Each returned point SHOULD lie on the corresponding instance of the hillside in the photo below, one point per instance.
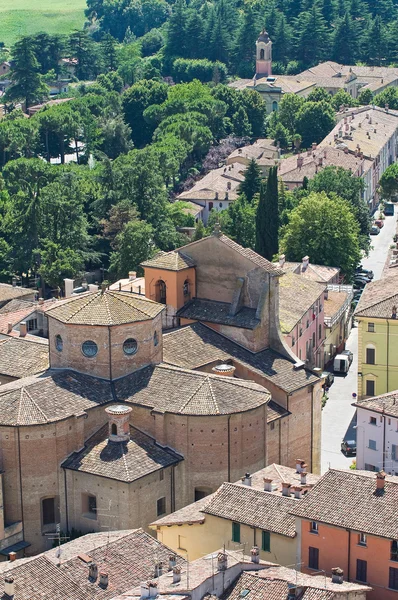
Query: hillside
(24, 17)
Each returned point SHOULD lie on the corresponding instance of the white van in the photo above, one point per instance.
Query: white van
(341, 363)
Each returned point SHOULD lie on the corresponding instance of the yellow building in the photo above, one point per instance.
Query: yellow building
(376, 314)
(252, 512)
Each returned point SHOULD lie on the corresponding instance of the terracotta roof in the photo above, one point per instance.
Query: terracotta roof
(189, 514)
(311, 582)
(17, 304)
(320, 273)
(384, 404)
(170, 389)
(378, 298)
(51, 397)
(204, 195)
(255, 258)
(171, 261)
(296, 296)
(9, 292)
(15, 317)
(253, 507)
(290, 172)
(105, 308)
(280, 474)
(123, 461)
(212, 311)
(334, 302)
(196, 345)
(20, 357)
(224, 179)
(260, 589)
(332, 500)
(275, 412)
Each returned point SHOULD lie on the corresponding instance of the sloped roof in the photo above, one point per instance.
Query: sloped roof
(248, 253)
(213, 311)
(123, 461)
(253, 507)
(169, 389)
(105, 308)
(196, 345)
(296, 296)
(51, 397)
(20, 357)
(385, 404)
(378, 298)
(9, 292)
(332, 500)
(320, 273)
(170, 261)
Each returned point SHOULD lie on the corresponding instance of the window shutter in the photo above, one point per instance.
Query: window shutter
(236, 532)
(266, 541)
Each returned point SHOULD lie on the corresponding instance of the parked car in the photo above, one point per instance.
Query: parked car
(349, 447)
(357, 294)
(341, 363)
(359, 283)
(360, 271)
(379, 223)
(374, 230)
(349, 354)
(329, 379)
(388, 209)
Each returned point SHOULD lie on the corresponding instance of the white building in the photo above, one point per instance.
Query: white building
(377, 433)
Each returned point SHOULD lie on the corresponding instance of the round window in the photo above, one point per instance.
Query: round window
(130, 346)
(155, 338)
(59, 344)
(89, 348)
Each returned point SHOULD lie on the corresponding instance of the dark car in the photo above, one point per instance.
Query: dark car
(360, 272)
(357, 294)
(374, 230)
(360, 283)
(349, 447)
(349, 354)
(329, 379)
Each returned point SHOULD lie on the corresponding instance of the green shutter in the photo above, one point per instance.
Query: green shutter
(236, 532)
(266, 543)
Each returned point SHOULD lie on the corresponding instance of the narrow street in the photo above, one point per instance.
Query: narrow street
(337, 416)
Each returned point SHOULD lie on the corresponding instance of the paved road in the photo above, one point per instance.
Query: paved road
(338, 414)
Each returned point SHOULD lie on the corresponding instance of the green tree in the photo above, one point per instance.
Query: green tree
(343, 97)
(200, 231)
(240, 123)
(28, 85)
(326, 230)
(318, 94)
(311, 35)
(133, 245)
(282, 42)
(246, 40)
(289, 108)
(314, 121)
(241, 225)
(344, 41)
(281, 135)
(135, 100)
(251, 183)
(82, 48)
(267, 220)
(365, 97)
(389, 182)
(175, 36)
(109, 53)
(56, 263)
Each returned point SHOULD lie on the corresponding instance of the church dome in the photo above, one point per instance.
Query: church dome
(263, 37)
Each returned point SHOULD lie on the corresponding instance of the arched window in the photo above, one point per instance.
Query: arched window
(161, 292)
(114, 429)
(262, 54)
(274, 106)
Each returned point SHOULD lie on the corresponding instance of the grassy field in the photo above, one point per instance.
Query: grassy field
(24, 17)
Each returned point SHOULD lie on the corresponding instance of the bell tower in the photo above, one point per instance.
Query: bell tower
(263, 55)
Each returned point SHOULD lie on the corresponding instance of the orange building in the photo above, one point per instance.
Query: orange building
(350, 520)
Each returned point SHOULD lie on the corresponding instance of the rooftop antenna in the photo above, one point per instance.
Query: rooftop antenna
(59, 538)
(108, 514)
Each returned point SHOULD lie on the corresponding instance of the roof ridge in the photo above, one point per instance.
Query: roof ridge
(140, 310)
(367, 306)
(24, 392)
(125, 462)
(213, 395)
(192, 395)
(278, 471)
(88, 299)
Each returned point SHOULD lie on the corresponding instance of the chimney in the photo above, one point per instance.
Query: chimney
(255, 555)
(299, 465)
(68, 283)
(153, 589)
(23, 329)
(286, 488)
(226, 196)
(325, 152)
(380, 481)
(176, 574)
(305, 262)
(216, 197)
(172, 561)
(12, 556)
(92, 287)
(337, 575)
(9, 327)
(239, 150)
(118, 422)
(229, 185)
(222, 561)
(41, 301)
(158, 569)
(303, 478)
(92, 571)
(309, 152)
(247, 480)
(394, 312)
(387, 106)
(345, 120)
(145, 590)
(326, 294)
(103, 579)
(103, 288)
(9, 587)
(345, 150)
(267, 484)
(132, 275)
(282, 259)
(313, 146)
(298, 492)
(224, 370)
(300, 161)
(14, 282)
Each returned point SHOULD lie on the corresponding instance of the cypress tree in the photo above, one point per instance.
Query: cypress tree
(267, 219)
(252, 181)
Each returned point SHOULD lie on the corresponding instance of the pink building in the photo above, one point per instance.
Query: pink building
(301, 317)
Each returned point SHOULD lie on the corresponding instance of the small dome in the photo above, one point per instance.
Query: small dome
(263, 37)
(118, 409)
